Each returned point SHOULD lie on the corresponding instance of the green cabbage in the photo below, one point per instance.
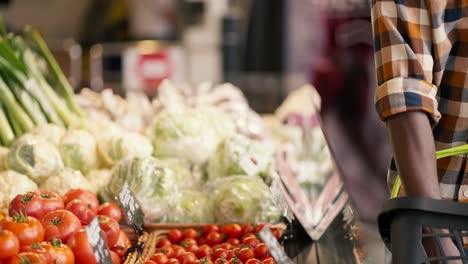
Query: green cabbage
(191, 207)
(118, 146)
(34, 156)
(66, 179)
(3, 154)
(244, 199)
(191, 134)
(12, 184)
(78, 150)
(187, 175)
(151, 181)
(50, 132)
(99, 178)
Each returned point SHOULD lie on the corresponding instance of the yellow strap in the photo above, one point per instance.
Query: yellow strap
(463, 149)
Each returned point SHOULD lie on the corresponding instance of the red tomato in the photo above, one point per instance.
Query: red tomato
(259, 227)
(231, 230)
(78, 242)
(219, 253)
(166, 250)
(203, 251)
(111, 229)
(210, 228)
(173, 261)
(230, 254)
(9, 244)
(122, 245)
(245, 254)
(160, 258)
(247, 228)
(269, 260)
(276, 232)
(59, 252)
(28, 204)
(233, 241)
(261, 251)
(26, 228)
(190, 233)
(149, 262)
(163, 242)
(226, 245)
(202, 241)
(251, 241)
(27, 257)
(89, 198)
(214, 238)
(222, 261)
(111, 210)
(38, 249)
(175, 236)
(192, 248)
(205, 261)
(115, 258)
(50, 201)
(253, 261)
(188, 241)
(81, 210)
(187, 258)
(60, 224)
(248, 235)
(235, 260)
(178, 250)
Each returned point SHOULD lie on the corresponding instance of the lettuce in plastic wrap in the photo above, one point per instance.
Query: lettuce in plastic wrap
(244, 199)
(66, 179)
(12, 184)
(187, 175)
(78, 150)
(191, 207)
(152, 183)
(119, 146)
(99, 178)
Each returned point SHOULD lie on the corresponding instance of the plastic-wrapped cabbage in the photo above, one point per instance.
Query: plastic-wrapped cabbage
(191, 134)
(34, 156)
(151, 181)
(50, 132)
(3, 153)
(102, 128)
(13, 183)
(191, 207)
(239, 155)
(116, 147)
(244, 199)
(66, 179)
(78, 150)
(99, 178)
(186, 174)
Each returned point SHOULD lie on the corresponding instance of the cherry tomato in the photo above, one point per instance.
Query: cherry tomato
(188, 241)
(261, 251)
(276, 232)
(115, 258)
(60, 224)
(175, 236)
(205, 261)
(245, 254)
(233, 241)
(166, 250)
(9, 244)
(78, 242)
(81, 210)
(251, 241)
(122, 245)
(89, 198)
(27, 257)
(210, 228)
(173, 261)
(178, 250)
(28, 204)
(203, 251)
(26, 228)
(219, 253)
(50, 201)
(187, 258)
(190, 233)
(59, 252)
(214, 238)
(259, 227)
(253, 261)
(38, 249)
(202, 241)
(111, 210)
(247, 228)
(222, 261)
(226, 245)
(235, 260)
(268, 260)
(248, 235)
(192, 248)
(160, 258)
(231, 230)
(149, 262)
(163, 242)
(111, 229)
(230, 254)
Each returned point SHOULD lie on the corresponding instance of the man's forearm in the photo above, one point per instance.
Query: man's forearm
(414, 150)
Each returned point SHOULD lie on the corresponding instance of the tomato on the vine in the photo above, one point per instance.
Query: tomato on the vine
(28, 204)
(226, 245)
(26, 228)
(111, 210)
(173, 261)
(38, 249)
(163, 242)
(110, 228)
(210, 228)
(219, 253)
(59, 252)
(214, 238)
(114, 257)
(261, 251)
(253, 261)
(166, 250)
(192, 248)
(178, 250)
(190, 233)
(222, 261)
(245, 254)
(247, 228)
(122, 244)
(251, 241)
(160, 258)
(81, 210)
(276, 232)
(247, 236)
(175, 236)
(268, 260)
(50, 201)
(205, 261)
(230, 254)
(231, 230)
(203, 251)
(187, 258)
(27, 257)
(89, 198)
(188, 241)
(233, 241)
(60, 224)
(9, 244)
(79, 243)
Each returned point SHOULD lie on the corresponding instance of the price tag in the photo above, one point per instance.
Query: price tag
(97, 242)
(276, 250)
(133, 213)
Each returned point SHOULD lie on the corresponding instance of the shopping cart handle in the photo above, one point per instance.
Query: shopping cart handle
(397, 206)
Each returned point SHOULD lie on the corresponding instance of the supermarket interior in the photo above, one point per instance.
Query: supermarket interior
(190, 131)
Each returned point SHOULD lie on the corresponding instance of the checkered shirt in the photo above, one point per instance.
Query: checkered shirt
(421, 60)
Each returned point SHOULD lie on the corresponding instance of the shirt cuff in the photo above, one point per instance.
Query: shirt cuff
(402, 94)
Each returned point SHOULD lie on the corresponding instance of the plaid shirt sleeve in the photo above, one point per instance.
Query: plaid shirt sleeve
(403, 60)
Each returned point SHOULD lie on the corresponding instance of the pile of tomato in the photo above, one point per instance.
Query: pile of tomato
(43, 228)
(226, 244)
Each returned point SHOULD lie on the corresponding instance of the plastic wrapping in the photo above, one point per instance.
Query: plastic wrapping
(187, 175)
(119, 146)
(191, 207)
(78, 150)
(66, 179)
(50, 132)
(12, 184)
(152, 183)
(3, 154)
(99, 178)
(243, 199)
(35, 157)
